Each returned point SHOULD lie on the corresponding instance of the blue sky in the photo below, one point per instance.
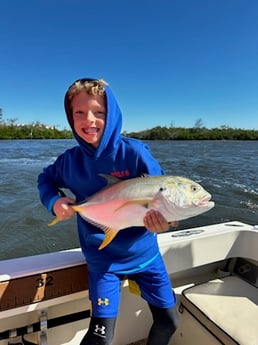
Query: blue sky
(169, 62)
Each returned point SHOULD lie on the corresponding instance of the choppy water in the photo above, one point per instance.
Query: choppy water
(227, 169)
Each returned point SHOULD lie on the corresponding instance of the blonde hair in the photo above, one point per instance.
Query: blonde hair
(92, 87)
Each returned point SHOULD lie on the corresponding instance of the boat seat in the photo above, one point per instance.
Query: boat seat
(226, 307)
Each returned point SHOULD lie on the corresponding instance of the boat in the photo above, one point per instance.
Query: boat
(213, 269)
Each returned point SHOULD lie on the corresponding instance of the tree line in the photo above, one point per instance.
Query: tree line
(41, 131)
(32, 131)
(10, 129)
(195, 133)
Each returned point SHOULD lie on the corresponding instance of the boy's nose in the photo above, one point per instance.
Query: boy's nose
(89, 115)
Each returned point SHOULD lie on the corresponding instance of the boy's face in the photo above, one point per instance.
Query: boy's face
(89, 116)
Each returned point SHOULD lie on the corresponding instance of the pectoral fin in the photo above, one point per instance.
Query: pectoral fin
(109, 236)
(146, 203)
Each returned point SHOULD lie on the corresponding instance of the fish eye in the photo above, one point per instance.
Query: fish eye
(162, 189)
(194, 188)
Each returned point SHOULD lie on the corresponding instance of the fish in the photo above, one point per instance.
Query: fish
(124, 203)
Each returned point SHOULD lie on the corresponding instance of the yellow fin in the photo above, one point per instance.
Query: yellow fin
(110, 235)
(54, 221)
(134, 287)
(143, 202)
(76, 208)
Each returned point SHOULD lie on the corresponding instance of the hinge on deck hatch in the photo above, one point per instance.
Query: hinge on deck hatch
(43, 328)
(42, 332)
(13, 333)
(23, 342)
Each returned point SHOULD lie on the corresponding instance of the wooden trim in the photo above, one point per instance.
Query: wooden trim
(44, 286)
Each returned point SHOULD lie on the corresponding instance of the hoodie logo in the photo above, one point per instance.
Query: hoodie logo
(120, 174)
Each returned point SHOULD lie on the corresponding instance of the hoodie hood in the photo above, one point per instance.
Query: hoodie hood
(112, 130)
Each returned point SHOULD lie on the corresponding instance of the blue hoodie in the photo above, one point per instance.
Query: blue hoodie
(78, 170)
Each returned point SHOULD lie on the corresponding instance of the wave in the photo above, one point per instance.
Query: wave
(250, 205)
(43, 161)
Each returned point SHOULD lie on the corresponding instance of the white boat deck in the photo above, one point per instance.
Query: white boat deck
(56, 283)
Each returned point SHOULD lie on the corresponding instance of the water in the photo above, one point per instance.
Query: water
(227, 169)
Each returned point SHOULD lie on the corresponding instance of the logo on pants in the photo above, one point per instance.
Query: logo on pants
(104, 301)
(100, 331)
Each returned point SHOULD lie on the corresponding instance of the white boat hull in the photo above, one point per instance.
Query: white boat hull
(45, 297)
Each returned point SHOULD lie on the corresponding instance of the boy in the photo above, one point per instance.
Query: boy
(95, 119)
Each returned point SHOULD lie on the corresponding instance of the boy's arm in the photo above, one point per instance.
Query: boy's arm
(48, 190)
(147, 164)
(50, 182)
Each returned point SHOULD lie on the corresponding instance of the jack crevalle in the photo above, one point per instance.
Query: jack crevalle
(123, 204)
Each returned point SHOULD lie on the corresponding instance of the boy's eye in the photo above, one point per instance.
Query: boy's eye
(78, 114)
(100, 114)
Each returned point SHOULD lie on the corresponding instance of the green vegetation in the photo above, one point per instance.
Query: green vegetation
(195, 133)
(32, 131)
(36, 130)
(9, 129)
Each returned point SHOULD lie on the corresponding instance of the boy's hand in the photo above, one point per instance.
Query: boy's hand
(62, 208)
(155, 222)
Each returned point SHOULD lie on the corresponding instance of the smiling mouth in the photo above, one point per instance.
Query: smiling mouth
(91, 130)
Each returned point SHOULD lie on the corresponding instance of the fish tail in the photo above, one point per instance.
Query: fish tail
(54, 221)
(109, 236)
